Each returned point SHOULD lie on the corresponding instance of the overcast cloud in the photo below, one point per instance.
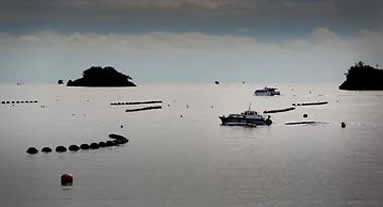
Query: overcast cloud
(189, 39)
(186, 56)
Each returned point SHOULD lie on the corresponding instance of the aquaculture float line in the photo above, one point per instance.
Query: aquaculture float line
(117, 140)
(19, 102)
(310, 103)
(279, 110)
(301, 122)
(144, 108)
(135, 103)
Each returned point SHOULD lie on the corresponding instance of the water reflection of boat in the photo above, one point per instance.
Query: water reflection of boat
(267, 92)
(247, 118)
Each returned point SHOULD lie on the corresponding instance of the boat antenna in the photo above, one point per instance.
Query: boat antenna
(250, 106)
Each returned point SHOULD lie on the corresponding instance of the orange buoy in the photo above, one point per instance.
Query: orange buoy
(67, 179)
(343, 125)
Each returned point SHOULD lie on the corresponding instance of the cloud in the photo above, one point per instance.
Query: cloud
(187, 56)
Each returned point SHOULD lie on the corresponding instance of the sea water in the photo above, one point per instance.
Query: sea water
(180, 155)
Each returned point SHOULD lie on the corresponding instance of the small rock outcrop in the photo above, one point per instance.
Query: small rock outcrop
(102, 77)
(363, 77)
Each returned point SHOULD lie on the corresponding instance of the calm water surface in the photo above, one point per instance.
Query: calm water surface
(193, 160)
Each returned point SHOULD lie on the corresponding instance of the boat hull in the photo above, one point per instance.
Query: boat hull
(228, 121)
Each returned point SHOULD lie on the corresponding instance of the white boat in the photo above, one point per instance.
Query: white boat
(246, 118)
(267, 92)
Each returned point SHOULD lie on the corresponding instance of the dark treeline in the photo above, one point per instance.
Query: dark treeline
(363, 77)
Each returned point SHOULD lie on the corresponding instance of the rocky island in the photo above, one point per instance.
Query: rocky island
(102, 77)
(363, 77)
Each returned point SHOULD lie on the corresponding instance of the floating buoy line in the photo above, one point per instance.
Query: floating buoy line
(116, 140)
(310, 103)
(135, 103)
(279, 110)
(20, 102)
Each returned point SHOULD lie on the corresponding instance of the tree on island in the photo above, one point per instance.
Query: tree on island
(363, 77)
(97, 76)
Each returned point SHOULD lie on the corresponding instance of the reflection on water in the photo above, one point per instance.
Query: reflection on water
(193, 160)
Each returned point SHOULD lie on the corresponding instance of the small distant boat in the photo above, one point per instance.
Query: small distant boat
(247, 118)
(267, 92)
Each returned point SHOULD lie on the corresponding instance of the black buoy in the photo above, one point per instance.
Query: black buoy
(343, 125)
(60, 82)
(84, 146)
(116, 136)
(116, 142)
(60, 149)
(32, 151)
(102, 144)
(268, 121)
(93, 145)
(3, 102)
(46, 150)
(216, 82)
(109, 143)
(74, 148)
(305, 115)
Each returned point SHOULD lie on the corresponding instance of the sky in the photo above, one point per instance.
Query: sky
(189, 40)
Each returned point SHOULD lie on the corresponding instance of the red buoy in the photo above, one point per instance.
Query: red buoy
(67, 179)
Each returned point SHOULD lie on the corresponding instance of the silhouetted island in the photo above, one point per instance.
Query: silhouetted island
(102, 77)
(363, 77)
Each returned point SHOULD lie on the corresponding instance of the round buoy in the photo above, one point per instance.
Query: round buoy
(102, 144)
(343, 125)
(268, 122)
(94, 145)
(67, 179)
(122, 126)
(32, 151)
(109, 143)
(305, 115)
(74, 148)
(84, 146)
(116, 142)
(46, 150)
(60, 149)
